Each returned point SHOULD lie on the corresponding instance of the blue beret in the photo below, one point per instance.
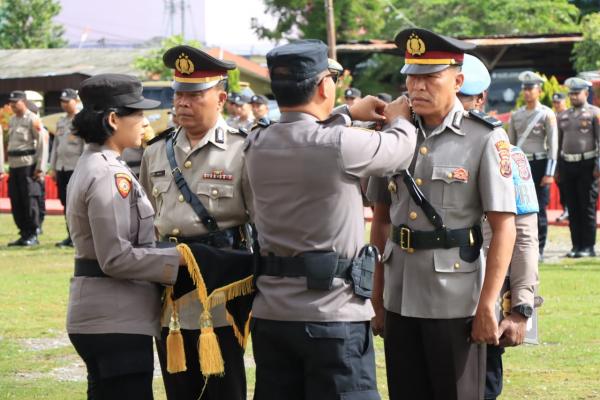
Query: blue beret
(477, 77)
(298, 61)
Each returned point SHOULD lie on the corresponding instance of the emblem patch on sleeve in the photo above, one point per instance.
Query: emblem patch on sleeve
(503, 148)
(123, 182)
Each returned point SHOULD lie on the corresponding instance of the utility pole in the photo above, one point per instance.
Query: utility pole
(330, 29)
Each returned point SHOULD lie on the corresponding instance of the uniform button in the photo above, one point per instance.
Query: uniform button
(423, 150)
(392, 187)
(180, 198)
(456, 265)
(175, 232)
(214, 192)
(412, 215)
(187, 164)
(419, 181)
(449, 175)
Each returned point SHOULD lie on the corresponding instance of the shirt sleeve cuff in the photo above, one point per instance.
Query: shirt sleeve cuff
(550, 167)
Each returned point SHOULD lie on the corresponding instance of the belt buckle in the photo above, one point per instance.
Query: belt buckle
(405, 233)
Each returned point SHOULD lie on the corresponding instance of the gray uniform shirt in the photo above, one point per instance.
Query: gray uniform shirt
(305, 176)
(579, 129)
(463, 168)
(25, 133)
(214, 171)
(110, 220)
(66, 148)
(543, 138)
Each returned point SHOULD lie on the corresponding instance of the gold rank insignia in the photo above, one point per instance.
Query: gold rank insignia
(218, 175)
(415, 45)
(184, 65)
(123, 182)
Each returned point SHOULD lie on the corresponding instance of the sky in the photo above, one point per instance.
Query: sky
(225, 23)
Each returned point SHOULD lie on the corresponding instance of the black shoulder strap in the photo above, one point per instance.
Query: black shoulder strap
(208, 220)
(485, 118)
(419, 198)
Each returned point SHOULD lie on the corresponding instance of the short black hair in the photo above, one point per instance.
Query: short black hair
(92, 125)
(290, 93)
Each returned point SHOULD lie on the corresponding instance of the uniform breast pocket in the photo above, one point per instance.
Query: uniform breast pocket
(454, 179)
(214, 194)
(449, 261)
(585, 126)
(145, 212)
(159, 189)
(538, 129)
(23, 135)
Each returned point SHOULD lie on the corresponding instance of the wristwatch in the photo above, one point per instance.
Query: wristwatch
(524, 309)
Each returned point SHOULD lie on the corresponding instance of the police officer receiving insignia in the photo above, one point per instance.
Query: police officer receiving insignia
(114, 298)
(533, 128)
(199, 190)
(523, 270)
(579, 132)
(438, 307)
(310, 330)
(66, 150)
(26, 160)
(260, 109)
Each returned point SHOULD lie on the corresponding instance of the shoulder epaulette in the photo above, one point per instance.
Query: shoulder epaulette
(485, 118)
(264, 122)
(239, 131)
(163, 135)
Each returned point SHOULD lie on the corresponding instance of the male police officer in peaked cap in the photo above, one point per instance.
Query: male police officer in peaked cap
(438, 307)
(579, 142)
(198, 188)
(310, 333)
(533, 129)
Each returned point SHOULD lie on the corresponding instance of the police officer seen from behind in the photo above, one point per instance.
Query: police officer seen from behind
(310, 331)
(25, 153)
(114, 298)
(260, 109)
(579, 133)
(439, 309)
(66, 150)
(200, 193)
(523, 270)
(533, 128)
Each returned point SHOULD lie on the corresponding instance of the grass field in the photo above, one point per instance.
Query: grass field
(37, 361)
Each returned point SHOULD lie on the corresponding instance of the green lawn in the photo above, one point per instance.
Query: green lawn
(33, 295)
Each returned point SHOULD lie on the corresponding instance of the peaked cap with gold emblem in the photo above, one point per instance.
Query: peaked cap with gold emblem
(194, 69)
(427, 52)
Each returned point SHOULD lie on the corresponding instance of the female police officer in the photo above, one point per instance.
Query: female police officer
(114, 300)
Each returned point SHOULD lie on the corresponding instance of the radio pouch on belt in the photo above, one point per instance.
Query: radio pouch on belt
(363, 268)
(320, 269)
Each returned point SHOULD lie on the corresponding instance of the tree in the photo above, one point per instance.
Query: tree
(152, 63)
(28, 24)
(586, 54)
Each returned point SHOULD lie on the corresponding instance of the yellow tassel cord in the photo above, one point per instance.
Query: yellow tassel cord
(175, 349)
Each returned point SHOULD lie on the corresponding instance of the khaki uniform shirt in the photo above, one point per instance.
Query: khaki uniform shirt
(579, 129)
(67, 147)
(305, 177)
(214, 171)
(463, 169)
(23, 135)
(543, 138)
(110, 220)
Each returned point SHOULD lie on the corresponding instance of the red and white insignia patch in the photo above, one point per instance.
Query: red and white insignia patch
(503, 148)
(219, 175)
(123, 182)
(461, 174)
(522, 165)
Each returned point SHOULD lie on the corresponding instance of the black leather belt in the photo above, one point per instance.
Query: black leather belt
(438, 239)
(20, 153)
(294, 267)
(89, 268)
(135, 163)
(230, 237)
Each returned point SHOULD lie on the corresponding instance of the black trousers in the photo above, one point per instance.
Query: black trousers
(582, 193)
(24, 193)
(493, 372)
(42, 200)
(313, 360)
(188, 385)
(119, 366)
(432, 359)
(62, 180)
(538, 170)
